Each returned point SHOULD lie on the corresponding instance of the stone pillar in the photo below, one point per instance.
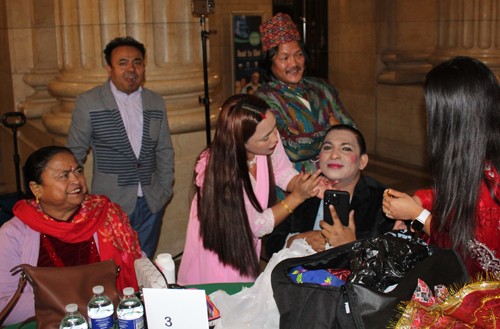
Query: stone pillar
(406, 38)
(468, 28)
(45, 66)
(409, 41)
(173, 55)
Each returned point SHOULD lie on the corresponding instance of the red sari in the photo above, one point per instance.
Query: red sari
(116, 238)
(475, 306)
(484, 248)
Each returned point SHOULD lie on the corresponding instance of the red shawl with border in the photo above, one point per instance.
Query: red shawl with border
(116, 238)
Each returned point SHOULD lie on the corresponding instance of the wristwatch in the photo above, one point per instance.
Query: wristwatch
(419, 222)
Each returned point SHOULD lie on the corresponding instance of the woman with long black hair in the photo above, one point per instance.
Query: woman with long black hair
(462, 211)
(235, 204)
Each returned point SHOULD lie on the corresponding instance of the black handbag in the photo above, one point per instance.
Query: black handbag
(359, 305)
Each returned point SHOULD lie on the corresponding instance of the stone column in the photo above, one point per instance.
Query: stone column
(468, 28)
(42, 65)
(409, 41)
(43, 42)
(173, 55)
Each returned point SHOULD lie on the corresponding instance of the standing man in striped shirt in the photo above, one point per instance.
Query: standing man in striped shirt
(126, 126)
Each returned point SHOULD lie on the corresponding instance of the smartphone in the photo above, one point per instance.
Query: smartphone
(341, 201)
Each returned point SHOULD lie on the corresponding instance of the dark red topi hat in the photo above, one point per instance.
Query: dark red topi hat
(277, 31)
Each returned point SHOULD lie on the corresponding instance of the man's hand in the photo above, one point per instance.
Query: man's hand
(399, 225)
(338, 234)
(314, 238)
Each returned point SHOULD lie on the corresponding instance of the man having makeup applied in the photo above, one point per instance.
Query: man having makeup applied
(341, 159)
(126, 126)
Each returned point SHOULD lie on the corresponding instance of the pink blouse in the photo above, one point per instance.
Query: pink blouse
(200, 266)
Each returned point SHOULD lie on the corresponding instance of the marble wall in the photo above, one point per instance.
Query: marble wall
(377, 59)
(353, 62)
(15, 61)
(407, 38)
(381, 50)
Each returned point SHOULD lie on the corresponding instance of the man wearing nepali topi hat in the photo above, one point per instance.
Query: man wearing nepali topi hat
(305, 107)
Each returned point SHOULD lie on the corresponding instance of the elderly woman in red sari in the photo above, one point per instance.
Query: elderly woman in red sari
(62, 225)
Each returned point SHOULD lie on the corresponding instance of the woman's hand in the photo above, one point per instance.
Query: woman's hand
(305, 185)
(398, 205)
(338, 234)
(301, 187)
(325, 184)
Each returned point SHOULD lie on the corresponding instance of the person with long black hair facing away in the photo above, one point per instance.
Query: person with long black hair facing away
(462, 211)
(235, 204)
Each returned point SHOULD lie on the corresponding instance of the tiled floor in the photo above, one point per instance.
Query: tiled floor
(398, 175)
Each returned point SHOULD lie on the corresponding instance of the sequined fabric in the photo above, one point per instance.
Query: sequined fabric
(476, 305)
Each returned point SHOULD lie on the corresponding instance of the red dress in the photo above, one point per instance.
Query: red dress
(485, 246)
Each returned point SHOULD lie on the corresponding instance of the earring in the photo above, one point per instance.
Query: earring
(36, 195)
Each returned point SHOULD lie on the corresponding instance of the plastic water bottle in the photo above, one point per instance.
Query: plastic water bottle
(100, 310)
(167, 266)
(130, 311)
(73, 319)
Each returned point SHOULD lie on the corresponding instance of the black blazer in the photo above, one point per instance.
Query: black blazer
(368, 215)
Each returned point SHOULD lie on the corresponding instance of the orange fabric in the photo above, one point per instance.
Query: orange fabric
(116, 238)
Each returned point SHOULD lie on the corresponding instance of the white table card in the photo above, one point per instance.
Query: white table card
(175, 308)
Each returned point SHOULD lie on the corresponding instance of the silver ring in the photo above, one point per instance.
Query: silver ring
(387, 213)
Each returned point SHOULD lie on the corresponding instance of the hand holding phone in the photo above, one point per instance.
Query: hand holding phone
(341, 201)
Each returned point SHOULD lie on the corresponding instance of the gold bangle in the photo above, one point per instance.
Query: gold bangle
(286, 207)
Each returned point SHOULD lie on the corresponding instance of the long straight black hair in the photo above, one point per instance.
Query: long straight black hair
(224, 226)
(463, 126)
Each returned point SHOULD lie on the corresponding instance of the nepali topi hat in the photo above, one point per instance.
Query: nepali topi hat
(277, 31)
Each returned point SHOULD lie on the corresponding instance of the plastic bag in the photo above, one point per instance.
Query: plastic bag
(255, 307)
(383, 261)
